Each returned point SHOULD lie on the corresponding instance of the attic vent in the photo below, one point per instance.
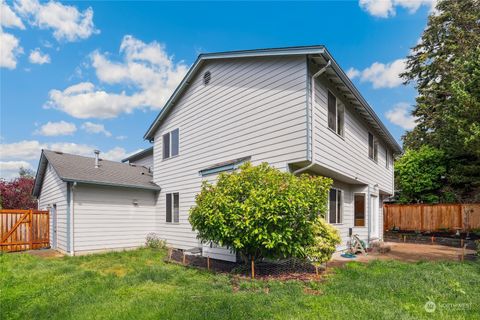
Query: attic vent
(207, 76)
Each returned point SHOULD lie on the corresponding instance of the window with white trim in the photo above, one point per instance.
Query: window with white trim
(171, 144)
(335, 206)
(172, 207)
(372, 147)
(336, 114)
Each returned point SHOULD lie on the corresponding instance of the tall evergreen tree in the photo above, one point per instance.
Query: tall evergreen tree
(445, 67)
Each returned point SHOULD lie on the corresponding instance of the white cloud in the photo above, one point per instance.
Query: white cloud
(60, 128)
(27, 152)
(381, 75)
(353, 73)
(91, 127)
(145, 67)
(115, 154)
(8, 18)
(121, 137)
(10, 49)
(9, 169)
(387, 8)
(37, 57)
(31, 149)
(67, 22)
(401, 116)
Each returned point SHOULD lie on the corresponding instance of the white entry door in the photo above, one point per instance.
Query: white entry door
(374, 217)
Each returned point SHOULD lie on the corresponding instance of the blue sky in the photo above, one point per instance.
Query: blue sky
(82, 75)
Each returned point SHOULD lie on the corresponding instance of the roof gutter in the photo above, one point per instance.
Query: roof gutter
(312, 112)
(153, 188)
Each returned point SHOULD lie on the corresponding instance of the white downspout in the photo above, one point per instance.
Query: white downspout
(72, 208)
(312, 106)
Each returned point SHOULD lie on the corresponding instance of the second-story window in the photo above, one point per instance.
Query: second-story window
(171, 144)
(372, 147)
(387, 158)
(336, 114)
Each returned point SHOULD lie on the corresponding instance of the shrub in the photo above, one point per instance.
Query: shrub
(260, 211)
(478, 247)
(154, 241)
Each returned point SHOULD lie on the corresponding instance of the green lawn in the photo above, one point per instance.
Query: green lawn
(139, 285)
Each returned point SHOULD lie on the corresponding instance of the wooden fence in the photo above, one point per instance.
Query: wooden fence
(24, 230)
(436, 217)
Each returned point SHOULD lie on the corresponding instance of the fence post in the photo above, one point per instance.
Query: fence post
(253, 269)
(31, 229)
(208, 262)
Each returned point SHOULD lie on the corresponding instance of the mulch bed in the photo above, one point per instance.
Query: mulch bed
(289, 269)
(426, 238)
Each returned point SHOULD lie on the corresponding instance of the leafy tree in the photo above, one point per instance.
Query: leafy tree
(24, 172)
(17, 194)
(445, 67)
(419, 173)
(262, 212)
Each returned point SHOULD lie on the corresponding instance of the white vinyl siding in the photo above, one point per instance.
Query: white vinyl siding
(111, 218)
(54, 191)
(251, 107)
(347, 155)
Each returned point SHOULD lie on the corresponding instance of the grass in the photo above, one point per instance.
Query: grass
(139, 285)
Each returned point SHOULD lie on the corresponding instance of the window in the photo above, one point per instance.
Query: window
(387, 158)
(359, 207)
(166, 146)
(174, 143)
(171, 144)
(173, 207)
(335, 206)
(372, 147)
(336, 114)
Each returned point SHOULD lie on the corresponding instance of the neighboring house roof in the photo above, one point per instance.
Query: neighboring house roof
(73, 168)
(139, 155)
(335, 74)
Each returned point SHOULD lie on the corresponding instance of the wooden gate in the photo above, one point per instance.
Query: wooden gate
(24, 230)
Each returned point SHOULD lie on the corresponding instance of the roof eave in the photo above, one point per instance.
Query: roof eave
(101, 183)
(139, 154)
(346, 80)
(42, 164)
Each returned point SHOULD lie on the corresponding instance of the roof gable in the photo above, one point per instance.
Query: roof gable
(335, 74)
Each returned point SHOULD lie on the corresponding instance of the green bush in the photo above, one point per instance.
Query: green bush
(261, 211)
(418, 175)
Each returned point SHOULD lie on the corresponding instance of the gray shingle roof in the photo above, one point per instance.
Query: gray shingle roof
(74, 168)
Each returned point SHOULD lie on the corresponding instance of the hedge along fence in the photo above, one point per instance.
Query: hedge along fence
(432, 217)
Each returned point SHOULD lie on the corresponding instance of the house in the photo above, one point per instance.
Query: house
(291, 107)
(95, 204)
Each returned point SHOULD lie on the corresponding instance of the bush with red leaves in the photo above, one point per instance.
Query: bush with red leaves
(17, 194)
